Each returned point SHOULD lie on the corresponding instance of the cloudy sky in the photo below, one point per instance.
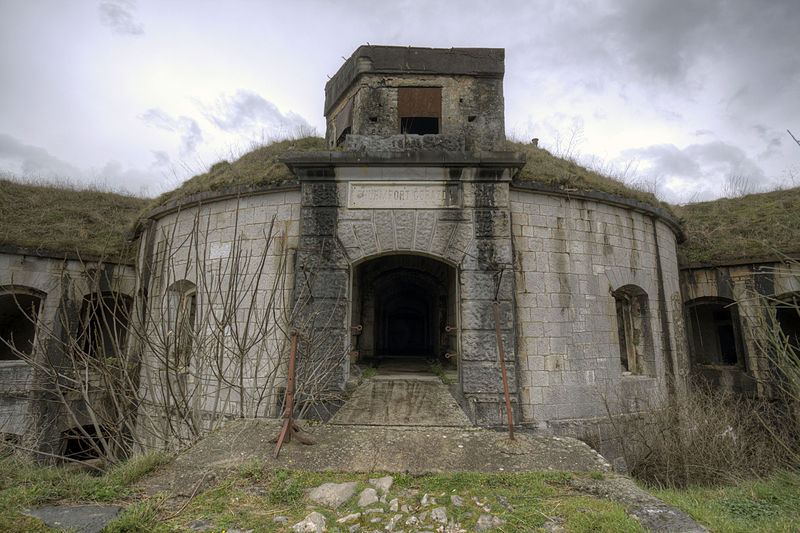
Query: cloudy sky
(691, 98)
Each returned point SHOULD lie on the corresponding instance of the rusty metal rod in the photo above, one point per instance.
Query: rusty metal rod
(500, 354)
(289, 428)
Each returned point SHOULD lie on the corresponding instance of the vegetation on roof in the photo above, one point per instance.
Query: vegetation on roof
(61, 218)
(547, 169)
(756, 226)
(258, 167)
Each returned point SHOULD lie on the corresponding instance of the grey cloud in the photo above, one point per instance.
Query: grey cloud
(247, 111)
(190, 133)
(703, 166)
(32, 161)
(119, 16)
(160, 158)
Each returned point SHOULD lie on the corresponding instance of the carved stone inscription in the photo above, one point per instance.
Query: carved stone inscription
(402, 195)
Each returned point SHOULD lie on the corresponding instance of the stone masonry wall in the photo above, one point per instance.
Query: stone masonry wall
(472, 234)
(569, 255)
(27, 408)
(217, 248)
(751, 286)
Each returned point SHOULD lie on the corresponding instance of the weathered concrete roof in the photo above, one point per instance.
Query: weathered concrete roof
(410, 60)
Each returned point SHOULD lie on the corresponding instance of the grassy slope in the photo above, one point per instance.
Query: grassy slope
(545, 168)
(258, 167)
(61, 219)
(754, 226)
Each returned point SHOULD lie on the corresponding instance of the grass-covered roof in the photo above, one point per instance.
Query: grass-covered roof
(92, 223)
(760, 226)
(62, 219)
(258, 167)
(547, 169)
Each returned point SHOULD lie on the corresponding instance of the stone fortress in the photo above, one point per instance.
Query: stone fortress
(395, 241)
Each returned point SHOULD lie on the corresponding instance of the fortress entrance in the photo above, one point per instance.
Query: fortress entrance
(405, 304)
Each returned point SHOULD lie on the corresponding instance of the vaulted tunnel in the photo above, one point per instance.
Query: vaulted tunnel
(404, 304)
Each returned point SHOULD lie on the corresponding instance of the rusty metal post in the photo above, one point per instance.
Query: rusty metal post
(500, 354)
(289, 428)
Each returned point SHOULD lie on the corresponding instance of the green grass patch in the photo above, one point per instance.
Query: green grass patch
(767, 505)
(61, 218)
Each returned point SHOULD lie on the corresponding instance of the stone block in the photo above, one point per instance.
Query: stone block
(404, 222)
(478, 285)
(491, 223)
(479, 314)
(486, 377)
(481, 345)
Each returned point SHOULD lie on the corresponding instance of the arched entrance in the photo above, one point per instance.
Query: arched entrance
(407, 307)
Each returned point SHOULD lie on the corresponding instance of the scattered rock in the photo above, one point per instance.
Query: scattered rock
(349, 518)
(313, 522)
(392, 522)
(439, 514)
(383, 484)
(423, 516)
(367, 497)
(280, 520)
(487, 522)
(373, 510)
(235, 530)
(83, 518)
(332, 494)
(201, 525)
(375, 520)
(404, 508)
(354, 528)
(456, 500)
(412, 521)
(394, 505)
(427, 500)
(554, 525)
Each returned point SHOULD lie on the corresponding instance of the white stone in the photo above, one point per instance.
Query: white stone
(332, 494)
(313, 522)
(383, 484)
(439, 514)
(367, 497)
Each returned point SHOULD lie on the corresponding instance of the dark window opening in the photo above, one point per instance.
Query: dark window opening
(105, 324)
(471, 118)
(419, 125)
(419, 110)
(632, 329)
(714, 332)
(18, 316)
(347, 131)
(373, 119)
(788, 315)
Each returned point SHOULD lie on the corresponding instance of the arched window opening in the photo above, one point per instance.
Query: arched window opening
(19, 313)
(182, 317)
(714, 332)
(633, 330)
(104, 318)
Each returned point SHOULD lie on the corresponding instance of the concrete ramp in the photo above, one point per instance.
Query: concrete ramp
(402, 400)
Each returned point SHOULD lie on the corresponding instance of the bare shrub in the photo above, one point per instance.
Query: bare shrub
(707, 437)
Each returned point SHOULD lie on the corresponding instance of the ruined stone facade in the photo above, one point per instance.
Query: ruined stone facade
(400, 242)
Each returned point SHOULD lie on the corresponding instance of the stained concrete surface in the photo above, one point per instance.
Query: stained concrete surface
(395, 398)
(77, 518)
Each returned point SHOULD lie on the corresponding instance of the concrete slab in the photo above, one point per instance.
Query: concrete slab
(78, 518)
(409, 449)
(402, 400)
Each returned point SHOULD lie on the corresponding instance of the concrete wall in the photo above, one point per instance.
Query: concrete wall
(472, 108)
(570, 254)
(28, 407)
(754, 287)
(218, 250)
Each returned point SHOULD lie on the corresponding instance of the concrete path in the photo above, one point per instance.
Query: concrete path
(402, 399)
